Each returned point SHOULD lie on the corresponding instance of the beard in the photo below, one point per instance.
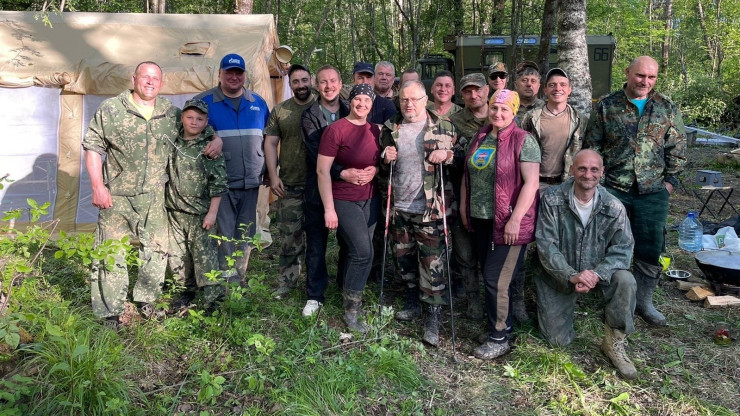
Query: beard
(302, 93)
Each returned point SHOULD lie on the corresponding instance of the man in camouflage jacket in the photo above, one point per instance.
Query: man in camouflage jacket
(640, 134)
(192, 198)
(418, 142)
(132, 130)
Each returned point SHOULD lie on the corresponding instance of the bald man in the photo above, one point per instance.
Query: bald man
(640, 134)
(575, 214)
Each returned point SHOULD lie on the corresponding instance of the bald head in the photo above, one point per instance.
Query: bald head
(588, 154)
(642, 73)
(587, 170)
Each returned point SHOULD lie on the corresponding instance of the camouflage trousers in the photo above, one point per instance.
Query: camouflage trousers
(193, 252)
(141, 217)
(464, 256)
(419, 250)
(290, 219)
(555, 308)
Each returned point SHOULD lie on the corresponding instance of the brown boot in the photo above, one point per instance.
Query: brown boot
(352, 305)
(613, 347)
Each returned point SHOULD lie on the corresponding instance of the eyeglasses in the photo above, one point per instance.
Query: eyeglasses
(413, 100)
(499, 75)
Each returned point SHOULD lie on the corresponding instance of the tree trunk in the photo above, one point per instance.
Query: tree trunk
(707, 42)
(573, 52)
(667, 38)
(243, 6)
(308, 54)
(458, 25)
(549, 14)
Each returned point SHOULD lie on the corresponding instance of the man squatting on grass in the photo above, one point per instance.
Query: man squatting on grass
(132, 129)
(584, 241)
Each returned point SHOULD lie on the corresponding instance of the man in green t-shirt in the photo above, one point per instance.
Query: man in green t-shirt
(284, 129)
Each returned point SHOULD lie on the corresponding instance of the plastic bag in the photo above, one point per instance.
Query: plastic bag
(725, 239)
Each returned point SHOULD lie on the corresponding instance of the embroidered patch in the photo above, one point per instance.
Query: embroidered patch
(482, 157)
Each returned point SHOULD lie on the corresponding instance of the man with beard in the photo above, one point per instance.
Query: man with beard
(527, 85)
(314, 120)
(385, 75)
(575, 215)
(419, 142)
(238, 115)
(284, 129)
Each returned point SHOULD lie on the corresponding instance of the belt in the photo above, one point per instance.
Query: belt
(553, 180)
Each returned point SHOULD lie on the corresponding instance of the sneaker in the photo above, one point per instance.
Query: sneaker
(312, 306)
(491, 350)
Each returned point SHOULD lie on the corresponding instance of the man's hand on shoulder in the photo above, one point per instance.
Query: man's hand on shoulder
(213, 148)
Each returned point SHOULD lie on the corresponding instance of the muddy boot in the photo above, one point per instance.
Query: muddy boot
(613, 347)
(475, 307)
(411, 307)
(352, 305)
(518, 310)
(647, 277)
(242, 263)
(212, 294)
(431, 325)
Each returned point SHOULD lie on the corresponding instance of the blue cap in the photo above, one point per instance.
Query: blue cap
(232, 61)
(364, 67)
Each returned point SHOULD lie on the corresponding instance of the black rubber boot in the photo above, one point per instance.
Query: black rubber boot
(411, 307)
(352, 305)
(431, 325)
(647, 277)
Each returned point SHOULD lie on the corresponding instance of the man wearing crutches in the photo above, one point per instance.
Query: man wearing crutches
(418, 141)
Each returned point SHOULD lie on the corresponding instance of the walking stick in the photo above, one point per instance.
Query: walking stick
(447, 258)
(385, 238)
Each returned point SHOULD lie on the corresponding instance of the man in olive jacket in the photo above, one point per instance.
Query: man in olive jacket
(584, 241)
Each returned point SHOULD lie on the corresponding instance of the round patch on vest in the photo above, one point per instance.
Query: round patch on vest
(482, 157)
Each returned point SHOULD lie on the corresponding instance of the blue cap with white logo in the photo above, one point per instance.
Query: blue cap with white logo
(232, 61)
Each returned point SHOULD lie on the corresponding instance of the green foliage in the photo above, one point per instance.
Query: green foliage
(701, 100)
(210, 387)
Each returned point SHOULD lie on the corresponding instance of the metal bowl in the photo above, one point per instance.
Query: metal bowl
(678, 274)
(720, 266)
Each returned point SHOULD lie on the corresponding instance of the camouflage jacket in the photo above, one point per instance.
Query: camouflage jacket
(440, 134)
(524, 109)
(136, 149)
(647, 150)
(578, 122)
(566, 247)
(194, 178)
(466, 126)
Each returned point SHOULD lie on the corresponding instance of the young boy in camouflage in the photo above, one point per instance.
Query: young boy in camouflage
(192, 199)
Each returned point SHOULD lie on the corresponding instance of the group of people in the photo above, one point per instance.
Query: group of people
(506, 170)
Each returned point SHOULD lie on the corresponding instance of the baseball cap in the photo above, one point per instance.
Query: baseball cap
(556, 71)
(497, 67)
(476, 79)
(197, 104)
(232, 61)
(526, 64)
(364, 67)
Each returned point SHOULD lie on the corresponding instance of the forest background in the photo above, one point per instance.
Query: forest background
(697, 42)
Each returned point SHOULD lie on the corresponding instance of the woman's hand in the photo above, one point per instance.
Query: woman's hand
(511, 231)
(330, 219)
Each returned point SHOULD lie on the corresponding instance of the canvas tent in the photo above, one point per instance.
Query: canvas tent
(53, 78)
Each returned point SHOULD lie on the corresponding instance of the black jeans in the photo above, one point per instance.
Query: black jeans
(317, 277)
(357, 221)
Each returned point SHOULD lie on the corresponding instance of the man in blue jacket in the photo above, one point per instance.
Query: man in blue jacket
(238, 115)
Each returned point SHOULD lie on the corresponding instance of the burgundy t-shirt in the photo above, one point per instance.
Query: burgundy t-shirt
(352, 146)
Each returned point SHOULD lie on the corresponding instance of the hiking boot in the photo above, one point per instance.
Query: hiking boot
(113, 323)
(431, 325)
(212, 294)
(352, 304)
(411, 306)
(475, 307)
(491, 349)
(312, 306)
(519, 311)
(644, 296)
(613, 347)
(281, 292)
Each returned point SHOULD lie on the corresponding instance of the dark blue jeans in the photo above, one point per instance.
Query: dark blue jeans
(357, 221)
(317, 277)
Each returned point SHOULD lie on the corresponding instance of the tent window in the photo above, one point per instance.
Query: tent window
(195, 48)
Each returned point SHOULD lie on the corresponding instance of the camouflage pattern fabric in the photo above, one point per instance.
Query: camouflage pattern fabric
(135, 173)
(647, 150)
(141, 217)
(193, 252)
(524, 109)
(466, 125)
(419, 250)
(290, 224)
(440, 134)
(194, 178)
(454, 109)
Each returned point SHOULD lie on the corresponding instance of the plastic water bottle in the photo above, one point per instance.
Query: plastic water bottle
(689, 233)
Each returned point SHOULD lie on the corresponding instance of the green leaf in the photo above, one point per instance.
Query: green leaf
(59, 367)
(54, 330)
(80, 350)
(12, 339)
(621, 398)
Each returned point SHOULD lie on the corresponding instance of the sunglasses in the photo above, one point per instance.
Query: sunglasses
(499, 75)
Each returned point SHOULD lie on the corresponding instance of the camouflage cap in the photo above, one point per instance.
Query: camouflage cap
(476, 79)
(197, 104)
(497, 67)
(526, 64)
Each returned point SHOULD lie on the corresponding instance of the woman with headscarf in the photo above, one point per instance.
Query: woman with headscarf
(352, 207)
(499, 196)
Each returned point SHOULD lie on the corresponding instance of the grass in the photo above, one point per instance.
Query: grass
(257, 355)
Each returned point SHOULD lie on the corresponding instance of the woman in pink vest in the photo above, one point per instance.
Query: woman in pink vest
(499, 196)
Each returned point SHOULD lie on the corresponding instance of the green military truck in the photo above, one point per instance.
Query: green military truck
(478, 52)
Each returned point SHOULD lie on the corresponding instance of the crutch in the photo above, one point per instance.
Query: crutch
(447, 257)
(385, 238)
